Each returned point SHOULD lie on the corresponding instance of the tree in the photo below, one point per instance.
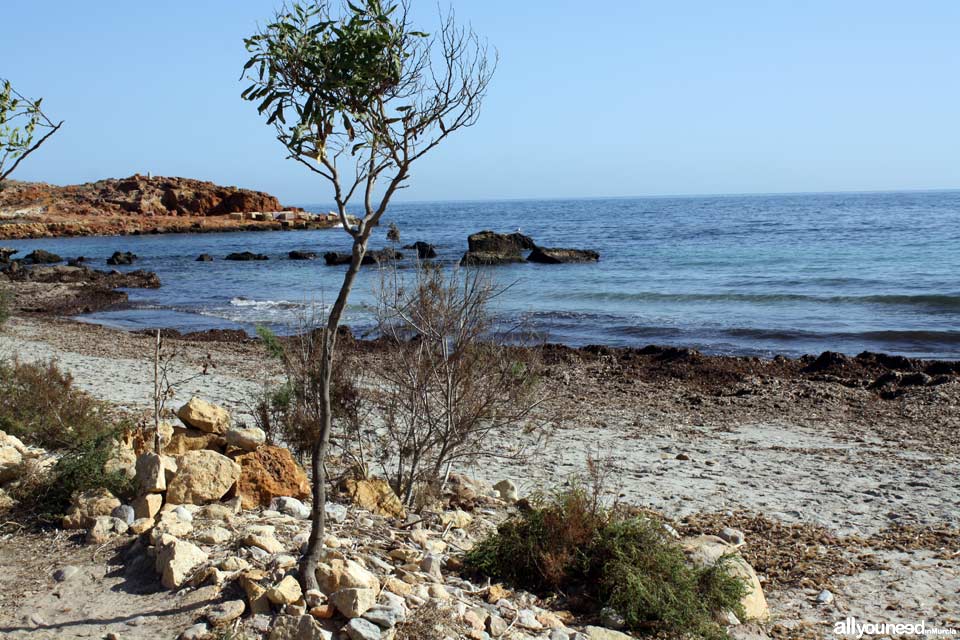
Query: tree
(357, 96)
(21, 121)
(447, 392)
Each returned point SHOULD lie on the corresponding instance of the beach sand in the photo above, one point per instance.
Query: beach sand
(859, 480)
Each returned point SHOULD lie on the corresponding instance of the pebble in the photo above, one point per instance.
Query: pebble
(198, 631)
(64, 574)
(360, 629)
(825, 597)
(733, 536)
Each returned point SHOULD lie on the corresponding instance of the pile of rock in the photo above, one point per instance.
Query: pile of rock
(18, 461)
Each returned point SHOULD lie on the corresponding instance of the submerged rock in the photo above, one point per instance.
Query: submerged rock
(121, 258)
(39, 256)
(245, 256)
(333, 258)
(425, 250)
(301, 255)
(545, 255)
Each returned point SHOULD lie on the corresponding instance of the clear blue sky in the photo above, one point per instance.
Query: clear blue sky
(591, 99)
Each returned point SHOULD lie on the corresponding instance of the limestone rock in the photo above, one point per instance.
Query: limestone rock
(202, 415)
(507, 490)
(151, 477)
(297, 627)
(88, 505)
(147, 506)
(141, 525)
(287, 591)
(225, 612)
(124, 512)
(267, 473)
(267, 543)
(354, 602)
(376, 496)
(291, 507)
(199, 631)
(360, 629)
(386, 616)
(104, 528)
(176, 560)
(706, 551)
(247, 439)
(599, 633)
(255, 592)
(457, 519)
(184, 440)
(337, 574)
(202, 477)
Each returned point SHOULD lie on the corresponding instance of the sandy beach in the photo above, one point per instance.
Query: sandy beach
(860, 493)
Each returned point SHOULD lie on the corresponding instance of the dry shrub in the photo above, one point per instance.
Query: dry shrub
(432, 621)
(446, 390)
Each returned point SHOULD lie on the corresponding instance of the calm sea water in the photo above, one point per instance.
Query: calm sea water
(757, 275)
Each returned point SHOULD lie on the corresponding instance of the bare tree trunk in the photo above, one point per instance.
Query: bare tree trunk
(310, 560)
(156, 396)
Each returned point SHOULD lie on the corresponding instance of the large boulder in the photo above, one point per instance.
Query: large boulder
(503, 243)
(202, 477)
(339, 574)
(202, 415)
(545, 255)
(375, 495)
(706, 551)
(87, 506)
(267, 473)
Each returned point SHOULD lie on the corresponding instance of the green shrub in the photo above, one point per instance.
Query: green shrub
(570, 543)
(40, 405)
(79, 468)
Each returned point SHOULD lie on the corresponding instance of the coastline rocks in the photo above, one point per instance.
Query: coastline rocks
(504, 243)
(425, 250)
(202, 415)
(204, 257)
(202, 477)
(39, 256)
(246, 256)
(121, 258)
(333, 258)
(6, 252)
(486, 259)
(302, 255)
(545, 255)
(267, 473)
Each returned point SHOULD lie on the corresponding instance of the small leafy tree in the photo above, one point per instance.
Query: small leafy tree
(357, 95)
(21, 122)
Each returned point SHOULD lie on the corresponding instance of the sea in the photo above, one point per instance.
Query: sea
(735, 274)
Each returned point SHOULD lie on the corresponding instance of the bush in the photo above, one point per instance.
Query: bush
(570, 543)
(40, 405)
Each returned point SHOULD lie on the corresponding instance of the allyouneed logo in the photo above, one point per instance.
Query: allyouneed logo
(852, 628)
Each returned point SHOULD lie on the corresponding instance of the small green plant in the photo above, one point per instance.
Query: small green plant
(569, 542)
(40, 405)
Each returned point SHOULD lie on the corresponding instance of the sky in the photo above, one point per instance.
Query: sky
(589, 100)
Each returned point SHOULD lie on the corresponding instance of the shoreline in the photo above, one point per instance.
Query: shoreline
(847, 487)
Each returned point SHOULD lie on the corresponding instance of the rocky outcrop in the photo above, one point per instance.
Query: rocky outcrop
(39, 256)
(425, 250)
(121, 258)
(545, 255)
(301, 255)
(267, 473)
(333, 258)
(246, 256)
(503, 243)
(488, 248)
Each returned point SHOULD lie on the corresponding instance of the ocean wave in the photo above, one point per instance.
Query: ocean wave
(917, 336)
(942, 302)
(266, 304)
